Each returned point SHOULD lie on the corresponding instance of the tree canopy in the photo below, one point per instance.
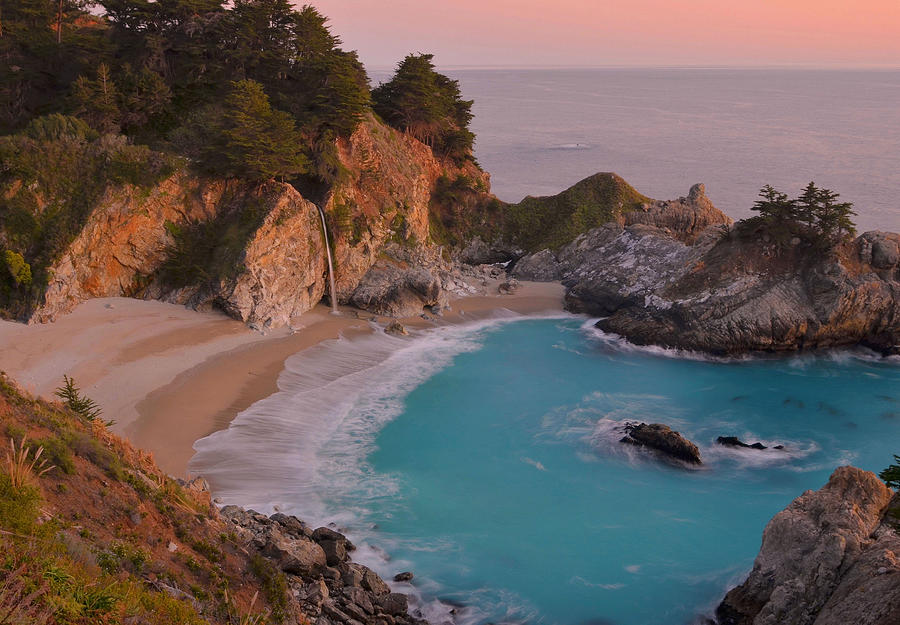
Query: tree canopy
(427, 105)
(815, 213)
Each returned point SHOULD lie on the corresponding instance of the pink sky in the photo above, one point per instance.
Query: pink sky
(621, 32)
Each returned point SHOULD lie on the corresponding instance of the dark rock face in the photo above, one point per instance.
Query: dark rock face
(663, 439)
(326, 587)
(734, 441)
(829, 558)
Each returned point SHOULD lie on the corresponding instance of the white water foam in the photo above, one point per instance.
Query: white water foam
(338, 394)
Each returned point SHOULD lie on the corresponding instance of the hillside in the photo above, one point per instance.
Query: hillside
(104, 536)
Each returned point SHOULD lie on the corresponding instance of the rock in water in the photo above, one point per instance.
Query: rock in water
(664, 439)
(832, 557)
(734, 441)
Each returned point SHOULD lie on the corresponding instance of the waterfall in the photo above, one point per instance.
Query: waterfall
(330, 263)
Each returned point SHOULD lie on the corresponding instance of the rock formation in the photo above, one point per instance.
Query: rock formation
(830, 558)
(274, 268)
(734, 441)
(328, 586)
(663, 439)
(675, 278)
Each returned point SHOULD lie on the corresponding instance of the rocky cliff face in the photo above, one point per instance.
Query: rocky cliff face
(830, 558)
(674, 278)
(274, 268)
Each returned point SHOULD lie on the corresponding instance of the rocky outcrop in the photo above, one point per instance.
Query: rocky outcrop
(830, 558)
(125, 240)
(684, 219)
(402, 283)
(663, 439)
(283, 264)
(275, 268)
(734, 441)
(665, 281)
(327, 586)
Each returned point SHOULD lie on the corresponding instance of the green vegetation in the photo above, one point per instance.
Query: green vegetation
(891, 475)
(551, 222)
(815, 216)
(427, 105)
(85, 545)
(82, 405)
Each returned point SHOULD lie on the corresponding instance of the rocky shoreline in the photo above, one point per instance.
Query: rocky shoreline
(679, 278)
(324, 585)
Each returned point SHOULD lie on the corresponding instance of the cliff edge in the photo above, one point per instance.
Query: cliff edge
(829, 558)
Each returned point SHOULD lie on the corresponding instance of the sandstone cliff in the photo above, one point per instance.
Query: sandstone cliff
(257, 251)
(830, 558)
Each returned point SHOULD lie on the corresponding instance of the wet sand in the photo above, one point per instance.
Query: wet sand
(169, 376)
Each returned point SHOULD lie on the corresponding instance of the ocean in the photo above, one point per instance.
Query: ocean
(485, 458)
(540, 131)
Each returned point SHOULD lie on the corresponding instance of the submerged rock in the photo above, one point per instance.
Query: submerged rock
(734, 441)
(663, 439)
(396, 328)
(832, 557)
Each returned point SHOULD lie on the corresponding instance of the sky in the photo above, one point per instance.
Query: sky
(596, 33)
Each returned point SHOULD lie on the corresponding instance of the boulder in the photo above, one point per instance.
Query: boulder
(394, 289)
(298, 556)
(406, 576)
(829, 558)
(663, 439)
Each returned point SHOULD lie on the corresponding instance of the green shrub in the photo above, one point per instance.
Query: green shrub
(18, 507)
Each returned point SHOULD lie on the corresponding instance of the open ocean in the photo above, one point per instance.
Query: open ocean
(540, 131)
(485, 457)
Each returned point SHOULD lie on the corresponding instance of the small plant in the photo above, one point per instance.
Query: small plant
(891, 475)
(81, 405)
(22, 466)
(19, 603)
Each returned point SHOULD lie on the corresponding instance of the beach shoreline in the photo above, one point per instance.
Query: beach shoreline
(170, 376)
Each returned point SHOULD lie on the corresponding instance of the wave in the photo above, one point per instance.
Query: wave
(312, 437)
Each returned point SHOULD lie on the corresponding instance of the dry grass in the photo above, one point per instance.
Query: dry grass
(17, 605)
(22, 466)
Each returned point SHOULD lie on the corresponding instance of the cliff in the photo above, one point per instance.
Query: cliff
(257, 251)
(675, 274)
(830, 558)
(104, 536)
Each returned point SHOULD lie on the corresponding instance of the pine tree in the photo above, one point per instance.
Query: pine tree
(775, 206)
(250, 139)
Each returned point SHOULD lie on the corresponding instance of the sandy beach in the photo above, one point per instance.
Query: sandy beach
(168, 375)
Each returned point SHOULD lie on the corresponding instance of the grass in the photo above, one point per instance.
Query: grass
(24, 463)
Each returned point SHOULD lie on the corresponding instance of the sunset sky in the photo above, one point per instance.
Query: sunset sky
(621, 32)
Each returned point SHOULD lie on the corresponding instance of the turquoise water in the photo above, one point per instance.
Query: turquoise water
(486, 460)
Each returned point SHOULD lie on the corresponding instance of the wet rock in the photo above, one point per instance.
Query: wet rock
(734, 441)
(395, 603)
(296, 556)
(373, 583)
(663, 439)
(509, 287)
(406, 576)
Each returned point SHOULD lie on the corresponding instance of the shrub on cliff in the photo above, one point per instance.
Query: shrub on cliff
(891, 475)
(427, 105)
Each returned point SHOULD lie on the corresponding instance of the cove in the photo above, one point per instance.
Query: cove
(485, 459)
(509, 492)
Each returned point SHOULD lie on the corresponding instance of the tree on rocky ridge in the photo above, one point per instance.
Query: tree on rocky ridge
(427, 105)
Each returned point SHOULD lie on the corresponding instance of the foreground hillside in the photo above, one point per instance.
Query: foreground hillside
(96, 533)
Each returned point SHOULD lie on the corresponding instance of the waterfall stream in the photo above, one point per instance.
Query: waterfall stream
(330, 263)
